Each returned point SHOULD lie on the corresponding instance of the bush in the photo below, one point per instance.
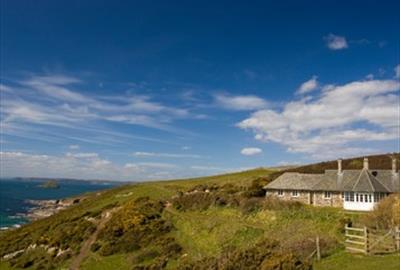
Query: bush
(386, 213)
(136, 225)
(95, 247)
(265, 255)
(249, 205)
(272, 203)
(198, 201)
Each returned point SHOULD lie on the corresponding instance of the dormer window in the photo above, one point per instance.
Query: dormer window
(375, 173)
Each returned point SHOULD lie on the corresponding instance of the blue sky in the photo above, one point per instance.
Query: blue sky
(165, 89)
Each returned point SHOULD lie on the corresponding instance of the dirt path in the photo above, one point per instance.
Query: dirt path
(85, 249)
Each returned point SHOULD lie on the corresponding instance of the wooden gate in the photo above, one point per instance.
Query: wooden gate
(368, 241)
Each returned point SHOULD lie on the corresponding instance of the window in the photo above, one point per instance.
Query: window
(295, 193)
(370, 197)
(361, 198)
(280, 192)
(349, 196)
(357, 197)
(365, 197)
(327, 194)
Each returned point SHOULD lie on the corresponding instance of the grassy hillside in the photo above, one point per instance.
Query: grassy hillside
(202, 223)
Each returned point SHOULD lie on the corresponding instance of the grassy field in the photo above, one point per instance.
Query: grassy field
(346, 261)
(206, 233)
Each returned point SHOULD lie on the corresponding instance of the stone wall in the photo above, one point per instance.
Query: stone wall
(335, 200)
(303, 196)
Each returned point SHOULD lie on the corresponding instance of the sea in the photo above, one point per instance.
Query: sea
(14, 193)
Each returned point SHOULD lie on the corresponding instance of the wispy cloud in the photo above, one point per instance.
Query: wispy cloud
(74, 147)
(251, 151)
(308, 86)
(53, 100)
(397, 72)
(165, 155)
(240, 102)
(334, 42)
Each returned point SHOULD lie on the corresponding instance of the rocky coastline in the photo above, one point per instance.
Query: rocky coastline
(45, 208)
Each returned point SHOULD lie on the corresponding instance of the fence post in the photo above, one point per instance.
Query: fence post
(397, 237)
(366, 248)
(318, 250)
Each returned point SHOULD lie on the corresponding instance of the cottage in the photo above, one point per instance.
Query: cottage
(358, 190)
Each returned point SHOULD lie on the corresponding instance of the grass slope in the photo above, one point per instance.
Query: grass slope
(201, 233)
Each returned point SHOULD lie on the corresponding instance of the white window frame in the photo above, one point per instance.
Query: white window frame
(295, 193)
(280, 192)
(327, 195)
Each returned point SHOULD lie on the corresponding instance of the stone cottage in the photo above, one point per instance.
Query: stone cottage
(358, 190)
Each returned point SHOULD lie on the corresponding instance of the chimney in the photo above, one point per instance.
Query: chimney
(394, 165)
(339, 166)
(366, 167)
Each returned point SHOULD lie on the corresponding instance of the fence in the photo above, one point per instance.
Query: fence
(368, 241)
(317, 251)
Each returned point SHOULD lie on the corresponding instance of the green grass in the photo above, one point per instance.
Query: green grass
(345, 261)
(96, 262)
(206, 233)
(5, 266)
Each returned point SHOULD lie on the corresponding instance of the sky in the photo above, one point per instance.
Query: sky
(127, 90)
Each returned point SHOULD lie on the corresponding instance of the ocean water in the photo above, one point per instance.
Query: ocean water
(15, 192)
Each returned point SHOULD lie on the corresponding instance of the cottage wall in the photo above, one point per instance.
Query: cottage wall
(303, 196)
(335, 200)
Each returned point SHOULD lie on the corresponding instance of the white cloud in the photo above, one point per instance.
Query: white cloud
(186, 148)
(251, 151)
(165, 155)
(333, 120)
(335, 42)
(397, 72)
(156, 165)
(308, 86)
(74, 147)
(240, 103)
(81, 166)
(82, 155)
(369, 76)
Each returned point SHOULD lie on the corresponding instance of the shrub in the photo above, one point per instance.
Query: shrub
(256, 189)
(136, 225)
(271, 203)
(249, 205)
(95, 247)
(198, 201)
(264, 255)
(386, 213)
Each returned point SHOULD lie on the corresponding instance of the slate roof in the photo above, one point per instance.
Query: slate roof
(350, 180)
(297, 181)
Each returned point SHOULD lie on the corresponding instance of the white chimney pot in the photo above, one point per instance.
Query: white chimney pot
(366, 166)
(339, 163)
